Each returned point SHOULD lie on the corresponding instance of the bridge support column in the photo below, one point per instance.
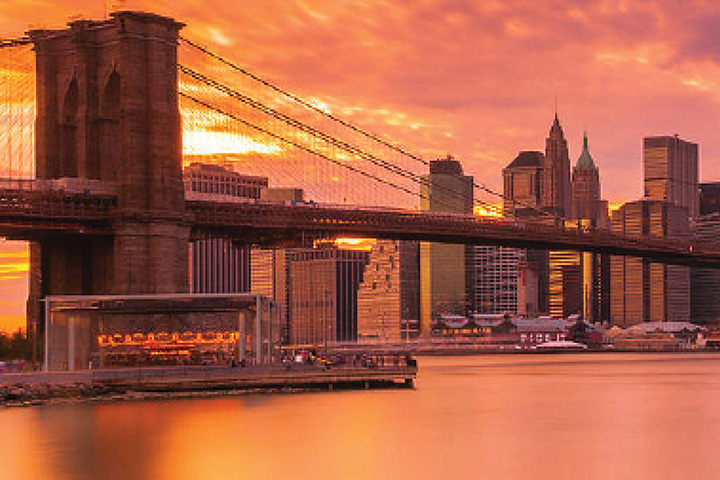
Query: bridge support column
(67, 265)
(107, 111)
(150, 258)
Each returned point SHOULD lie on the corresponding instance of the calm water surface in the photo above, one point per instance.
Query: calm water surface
(610, 416)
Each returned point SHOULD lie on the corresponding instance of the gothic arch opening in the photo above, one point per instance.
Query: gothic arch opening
(109, 127)
(67, 164)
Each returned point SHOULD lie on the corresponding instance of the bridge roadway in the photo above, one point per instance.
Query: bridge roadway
(26, 214)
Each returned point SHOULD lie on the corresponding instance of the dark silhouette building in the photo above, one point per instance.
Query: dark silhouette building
(445, 269)
(556, 188)
(709, 198)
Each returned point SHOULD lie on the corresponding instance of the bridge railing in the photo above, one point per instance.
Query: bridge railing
(437, 226)
(49, 205)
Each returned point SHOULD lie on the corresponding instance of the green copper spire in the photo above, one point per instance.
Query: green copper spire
(585, 161)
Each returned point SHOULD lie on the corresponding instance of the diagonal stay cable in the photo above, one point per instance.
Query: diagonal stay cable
(296, 144)
(319, 134)
(272, 86)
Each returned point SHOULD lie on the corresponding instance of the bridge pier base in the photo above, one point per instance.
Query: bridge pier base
(150, 258)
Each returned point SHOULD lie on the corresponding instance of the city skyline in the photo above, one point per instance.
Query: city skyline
(434, 112)
(475, 81)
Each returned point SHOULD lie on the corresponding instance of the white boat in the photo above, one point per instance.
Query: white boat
(560, 345)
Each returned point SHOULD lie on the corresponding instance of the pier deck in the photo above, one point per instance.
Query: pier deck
(178, 379)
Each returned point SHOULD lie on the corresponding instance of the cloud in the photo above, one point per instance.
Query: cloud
(485, 72)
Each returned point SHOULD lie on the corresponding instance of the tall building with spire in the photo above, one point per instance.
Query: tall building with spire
(556, 190)
(586, 203)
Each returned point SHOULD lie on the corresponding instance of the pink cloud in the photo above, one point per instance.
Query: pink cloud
(476, 79)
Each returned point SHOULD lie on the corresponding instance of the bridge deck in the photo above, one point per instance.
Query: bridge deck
(27, 214)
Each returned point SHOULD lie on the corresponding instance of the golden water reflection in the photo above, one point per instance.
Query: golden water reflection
(591, 416)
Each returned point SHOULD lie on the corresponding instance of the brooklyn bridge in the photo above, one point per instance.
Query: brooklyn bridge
(99, 118)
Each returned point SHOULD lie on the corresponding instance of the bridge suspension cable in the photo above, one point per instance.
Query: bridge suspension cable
(478, 186)
(392, 168)
(17, 109)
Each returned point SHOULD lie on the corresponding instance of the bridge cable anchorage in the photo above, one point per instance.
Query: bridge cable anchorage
(395, 169)
(244, 71)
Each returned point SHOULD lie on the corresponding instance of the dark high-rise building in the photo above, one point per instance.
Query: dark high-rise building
(586, 197)
(522, 182)
(576, 283)
(705, 282)
(556, 190)
(709, 198)
(445, 269)
(323, 294)
(671, 172)
(217, 264)
(513, 279)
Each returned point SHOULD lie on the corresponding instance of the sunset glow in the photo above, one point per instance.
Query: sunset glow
(205, 142)
(479, 80)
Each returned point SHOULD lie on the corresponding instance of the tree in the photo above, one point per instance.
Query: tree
(4, 346)
(20, 346)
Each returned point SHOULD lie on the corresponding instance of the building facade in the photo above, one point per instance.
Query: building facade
(642, 291)
(709, 198)
(670, 167)
(556, 188)
(705, 282)
(522, 182)
(444, 268)
(389, 295)
(323, 294)
(497, 279)
(217, 264)
(576, 285)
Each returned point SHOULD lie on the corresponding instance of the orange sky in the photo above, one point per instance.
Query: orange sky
(476, 79)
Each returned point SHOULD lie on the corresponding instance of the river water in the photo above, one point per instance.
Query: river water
(569, 416)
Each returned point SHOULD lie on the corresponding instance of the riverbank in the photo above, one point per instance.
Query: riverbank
(484, 349)
(40, 388)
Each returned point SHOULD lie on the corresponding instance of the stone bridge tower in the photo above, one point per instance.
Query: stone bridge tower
(108, 117)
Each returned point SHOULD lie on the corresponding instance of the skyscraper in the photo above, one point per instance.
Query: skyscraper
(497, 278)
(555, 267)
(705, 282)
(514, 280)
(575, 277)
(218, 265)
(444, 268)
(709, 198)
(671, 171)
(323, 292)
(556, 190)
(586, 200)
(269, 277)
(522, 183)
(641, 291)
(389, 295)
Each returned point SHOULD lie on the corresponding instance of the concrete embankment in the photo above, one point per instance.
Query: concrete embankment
(23, 389)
